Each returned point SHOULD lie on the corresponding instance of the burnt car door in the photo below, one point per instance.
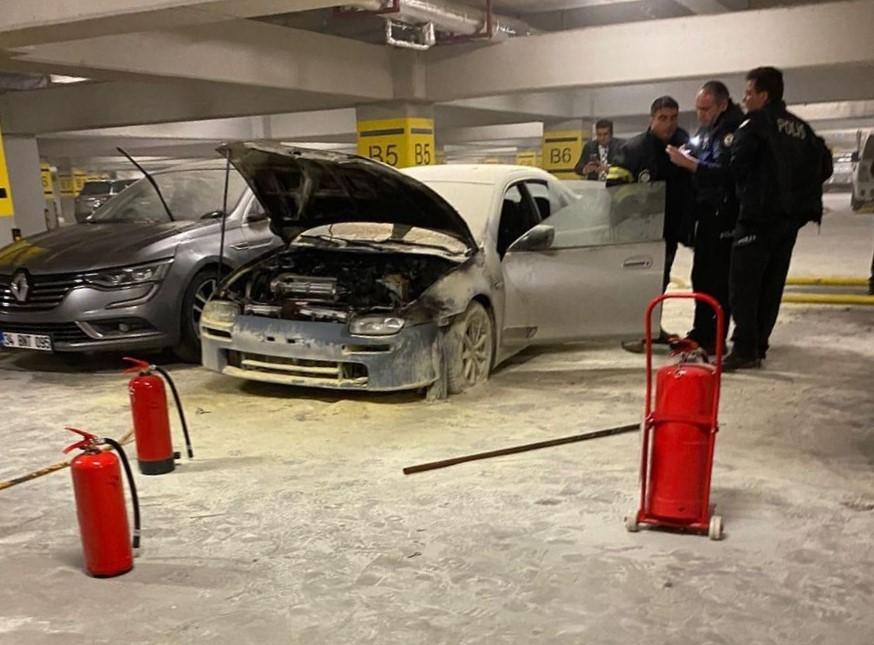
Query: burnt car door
(591, 265)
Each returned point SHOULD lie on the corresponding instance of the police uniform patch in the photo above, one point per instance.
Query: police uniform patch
(644, 177)
(728, 140)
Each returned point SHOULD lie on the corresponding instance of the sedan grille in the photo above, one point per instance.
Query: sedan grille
(315, 371)
(60, 332)
(46, 292)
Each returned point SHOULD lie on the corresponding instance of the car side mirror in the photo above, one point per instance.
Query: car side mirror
(255, 215)
(538, 238)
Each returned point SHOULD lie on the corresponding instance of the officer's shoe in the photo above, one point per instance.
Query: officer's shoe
(735, 361)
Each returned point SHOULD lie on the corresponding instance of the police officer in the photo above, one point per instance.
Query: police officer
(779, 165)
(646, 159)
(707, 157)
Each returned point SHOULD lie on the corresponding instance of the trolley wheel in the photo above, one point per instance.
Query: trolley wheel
(631, 522)
(715, 532)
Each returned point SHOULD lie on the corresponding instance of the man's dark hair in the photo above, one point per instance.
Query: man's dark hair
(662, 103)
(604, 124)
(768, 79)
(717, 90)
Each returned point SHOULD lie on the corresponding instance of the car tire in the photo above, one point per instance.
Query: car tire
(855, 204)
(470, 348)
(196, 295)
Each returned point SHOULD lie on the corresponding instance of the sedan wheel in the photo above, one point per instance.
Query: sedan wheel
(201, 296)
(470, 347)
(198, 292)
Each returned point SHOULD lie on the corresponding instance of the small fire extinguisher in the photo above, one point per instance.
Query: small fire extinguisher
(103, 525)
(148, 400)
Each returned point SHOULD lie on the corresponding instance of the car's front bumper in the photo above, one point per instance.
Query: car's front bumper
(88, 319)
(321, 354)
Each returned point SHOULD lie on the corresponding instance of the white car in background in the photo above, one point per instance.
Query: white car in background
(427, 277)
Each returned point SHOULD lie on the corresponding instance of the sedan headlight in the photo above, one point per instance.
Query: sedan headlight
(220, 312)
(376, 325)
(129, 276)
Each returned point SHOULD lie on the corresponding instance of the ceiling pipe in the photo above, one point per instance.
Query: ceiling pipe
(446, 17)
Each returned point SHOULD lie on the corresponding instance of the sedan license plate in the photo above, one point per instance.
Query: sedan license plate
(26, 341)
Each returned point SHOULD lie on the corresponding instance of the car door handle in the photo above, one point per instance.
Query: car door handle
(499, 284)
(637, 263)
(240, 246)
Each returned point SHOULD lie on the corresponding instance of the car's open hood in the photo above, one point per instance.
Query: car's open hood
(302, 188)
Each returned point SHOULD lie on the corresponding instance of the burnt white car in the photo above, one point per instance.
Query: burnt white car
(427, 277)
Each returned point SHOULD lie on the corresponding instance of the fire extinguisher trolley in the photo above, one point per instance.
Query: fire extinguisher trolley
(679, 434)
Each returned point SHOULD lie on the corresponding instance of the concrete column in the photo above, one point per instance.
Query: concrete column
(399, 134)
(28, 203)
(67, 191)
(563, 144)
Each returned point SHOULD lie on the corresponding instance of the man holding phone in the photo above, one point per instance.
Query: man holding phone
(599, 153)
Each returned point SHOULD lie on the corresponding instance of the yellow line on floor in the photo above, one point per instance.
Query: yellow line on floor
(828, 299)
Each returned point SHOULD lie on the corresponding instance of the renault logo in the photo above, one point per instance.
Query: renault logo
(20, 286)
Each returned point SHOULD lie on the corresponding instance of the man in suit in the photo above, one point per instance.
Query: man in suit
(599, 153)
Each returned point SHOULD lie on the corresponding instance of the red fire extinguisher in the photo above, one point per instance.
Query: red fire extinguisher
(100, 506)
(679, 434)
(148, 400)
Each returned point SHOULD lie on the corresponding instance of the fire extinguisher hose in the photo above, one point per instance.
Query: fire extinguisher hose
(178, 401)
(135, 500)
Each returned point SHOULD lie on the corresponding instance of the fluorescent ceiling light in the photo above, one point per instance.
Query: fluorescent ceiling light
(63, 79)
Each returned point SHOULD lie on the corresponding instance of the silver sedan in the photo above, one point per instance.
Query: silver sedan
(427, 277)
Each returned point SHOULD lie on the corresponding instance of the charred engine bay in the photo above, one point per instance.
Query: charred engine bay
(316, 284)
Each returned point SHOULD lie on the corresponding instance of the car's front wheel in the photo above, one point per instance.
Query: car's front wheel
(196, 295)
(470, 346)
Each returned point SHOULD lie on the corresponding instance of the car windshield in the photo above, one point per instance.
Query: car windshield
(190, 194)
(382, 236)
(95, 188)
(471, 199)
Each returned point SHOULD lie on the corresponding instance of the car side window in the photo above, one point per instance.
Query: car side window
(517, 217)
(624, 214)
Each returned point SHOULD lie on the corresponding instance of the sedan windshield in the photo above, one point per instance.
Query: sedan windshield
(95, 188)
(190, 194)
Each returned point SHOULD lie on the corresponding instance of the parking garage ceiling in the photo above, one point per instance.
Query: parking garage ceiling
(158, 62)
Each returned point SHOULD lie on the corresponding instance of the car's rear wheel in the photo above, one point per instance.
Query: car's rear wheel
(470, 346)
(855, 204)
(196, 295)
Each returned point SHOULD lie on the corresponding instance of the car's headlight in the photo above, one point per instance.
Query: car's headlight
(220, 312)
(129, 276)
(376, 325)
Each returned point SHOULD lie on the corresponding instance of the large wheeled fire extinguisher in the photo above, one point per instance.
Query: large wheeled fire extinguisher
(679, 434)
(148, 402)
(106, 542)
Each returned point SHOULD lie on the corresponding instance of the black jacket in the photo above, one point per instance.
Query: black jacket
(645, 158)
(779, 165)
(715, 196)
(590, 153)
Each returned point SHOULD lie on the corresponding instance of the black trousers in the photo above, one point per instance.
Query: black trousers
(710, 270)
(759, 266)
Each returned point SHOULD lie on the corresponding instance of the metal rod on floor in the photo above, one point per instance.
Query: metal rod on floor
(9, 483)
(434, 465)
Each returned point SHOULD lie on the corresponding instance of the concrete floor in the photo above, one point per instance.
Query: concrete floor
(295, 523)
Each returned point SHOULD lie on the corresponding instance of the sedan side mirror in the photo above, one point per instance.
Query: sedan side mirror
(538, 238)
(256, 215)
